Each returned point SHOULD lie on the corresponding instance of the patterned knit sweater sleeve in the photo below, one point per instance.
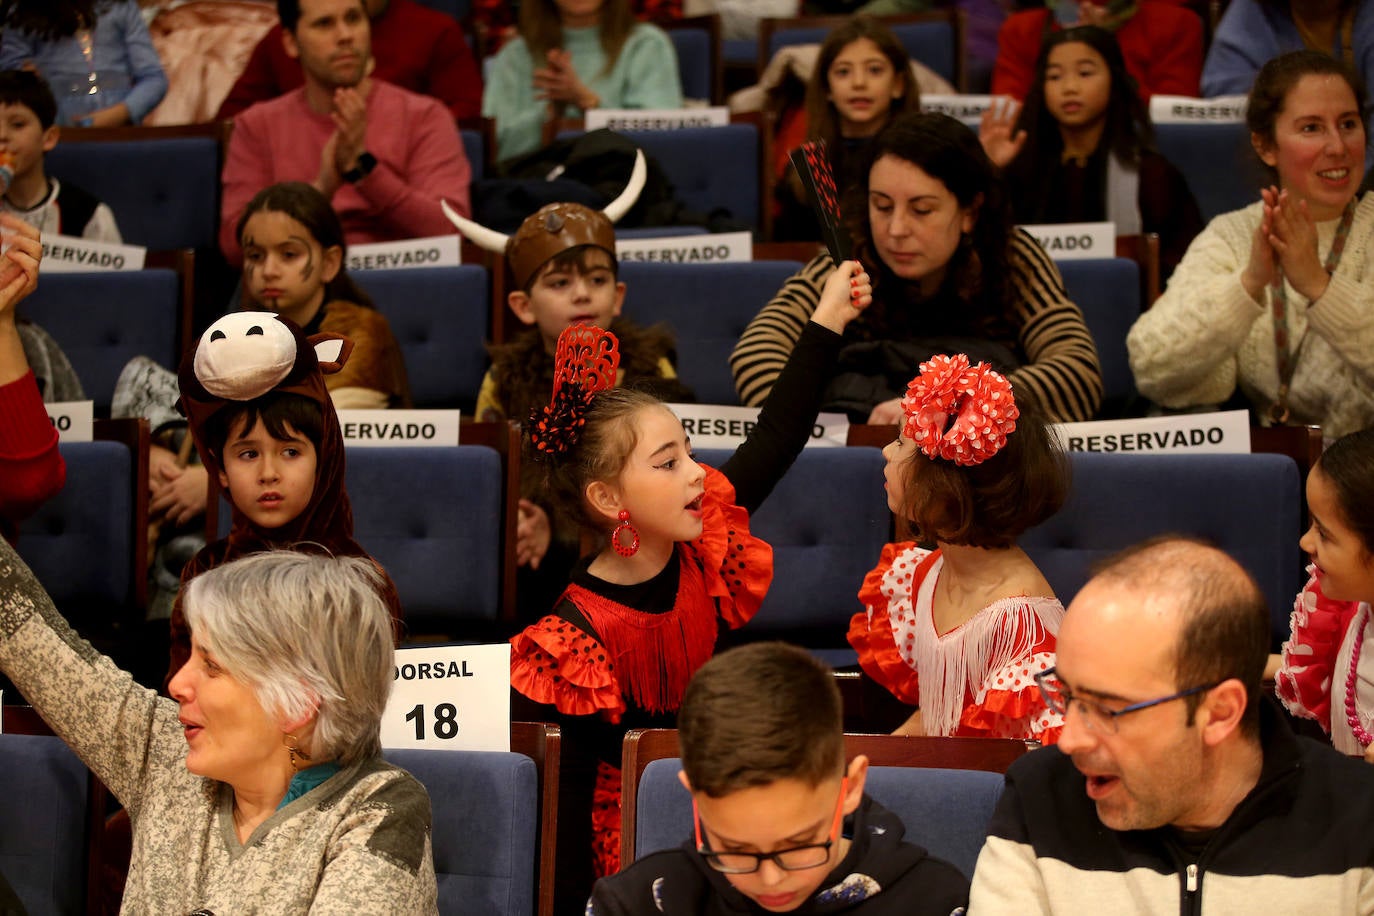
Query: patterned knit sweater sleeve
(119, 729)
(1062, 373)
(768, 340)
(1184, 349)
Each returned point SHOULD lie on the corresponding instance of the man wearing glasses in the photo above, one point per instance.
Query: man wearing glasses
(1175, 787)
(782, 822)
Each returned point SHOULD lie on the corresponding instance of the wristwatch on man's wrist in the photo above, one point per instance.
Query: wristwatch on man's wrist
(361, 169)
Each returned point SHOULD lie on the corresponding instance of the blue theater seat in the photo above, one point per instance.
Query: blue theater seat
(43, 824)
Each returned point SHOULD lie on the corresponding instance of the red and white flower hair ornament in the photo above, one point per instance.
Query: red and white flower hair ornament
(958, 412)
(585, 362)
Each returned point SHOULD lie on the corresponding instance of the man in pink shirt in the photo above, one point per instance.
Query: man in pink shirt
(383, 155)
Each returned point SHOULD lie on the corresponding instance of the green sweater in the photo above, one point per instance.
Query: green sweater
(359, 842)
(644, 76)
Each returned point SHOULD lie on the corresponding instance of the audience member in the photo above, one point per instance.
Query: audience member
(262, 779)
(960, 631)
(564, 265)
(414, 47)
(862, 79)
(27, 133)
(1252, 32)
(1321, 671)
(495, 19)
(572, 56)
(1174, 783)
(95, 54)
(267, 430)
(931, 223)
(1082, 148)
(382, 155)
(675, 563)
(31, 468)
(782, 821)
(1276, 300)
(1160, 41)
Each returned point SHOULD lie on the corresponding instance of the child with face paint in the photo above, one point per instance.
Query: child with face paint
(293, 264)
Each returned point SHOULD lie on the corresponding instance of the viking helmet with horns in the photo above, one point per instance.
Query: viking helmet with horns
(554, 228)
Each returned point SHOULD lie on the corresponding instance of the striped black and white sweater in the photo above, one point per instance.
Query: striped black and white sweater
(1059, 367)
(1299, 842)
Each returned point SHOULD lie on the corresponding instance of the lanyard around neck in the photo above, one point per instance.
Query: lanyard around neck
(1278, 299)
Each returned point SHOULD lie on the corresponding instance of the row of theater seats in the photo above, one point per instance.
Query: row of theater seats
(441, 521)
(442, 318)
(163, 183)
(493, 825)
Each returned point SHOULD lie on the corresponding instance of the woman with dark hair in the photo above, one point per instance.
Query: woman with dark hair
(573, 55)
(931, 225)
(861, 81)
(95, 54)
(1276, 301)
(1088, 150)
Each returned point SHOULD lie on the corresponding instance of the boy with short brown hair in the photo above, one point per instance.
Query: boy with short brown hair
(782, 823)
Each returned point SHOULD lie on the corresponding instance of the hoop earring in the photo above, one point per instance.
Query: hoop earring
(621, 530)
(296, 754)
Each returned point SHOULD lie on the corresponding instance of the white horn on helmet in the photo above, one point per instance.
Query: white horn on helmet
(622, 204)
(480, 235)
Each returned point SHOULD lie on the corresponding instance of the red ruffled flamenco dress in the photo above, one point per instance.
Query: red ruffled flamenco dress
(978, 679)
(629, 667)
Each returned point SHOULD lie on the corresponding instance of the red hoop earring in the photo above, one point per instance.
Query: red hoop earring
(625, 528)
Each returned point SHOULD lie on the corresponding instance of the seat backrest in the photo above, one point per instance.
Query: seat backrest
(946, 811)
(697, 43)
(164, 192)
(439, 317)
(82, 544)
(458, 9)
(1217, 161)
(475, 149)
(934, 38)
(486, 827)
(708, 306)
(710, 167)
(432, 517)
(1248, 505)
(103, 320)
(827, 521)
(1107, 290)
(43, 824)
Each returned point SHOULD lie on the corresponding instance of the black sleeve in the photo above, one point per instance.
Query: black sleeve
(786, 418)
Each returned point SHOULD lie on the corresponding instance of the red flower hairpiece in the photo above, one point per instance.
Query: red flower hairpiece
(958, 412)
(584, 363)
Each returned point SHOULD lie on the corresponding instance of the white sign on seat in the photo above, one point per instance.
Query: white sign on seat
(434, 251)
(1075, 241)
(705, 248)
(1219, 432)
(399, 427)
(73, 420)
(725, 426)
(655, 119)
(68, 254)
(1181, 109)
(454, 698)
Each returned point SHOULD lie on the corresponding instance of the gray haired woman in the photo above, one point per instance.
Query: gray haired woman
(263, 780)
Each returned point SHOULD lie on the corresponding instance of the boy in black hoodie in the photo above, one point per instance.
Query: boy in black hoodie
(782, 824)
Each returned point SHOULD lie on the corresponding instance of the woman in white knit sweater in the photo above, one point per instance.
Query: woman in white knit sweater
(1278, 298)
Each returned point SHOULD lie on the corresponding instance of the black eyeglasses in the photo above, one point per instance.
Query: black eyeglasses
(1097, 717)
(797, 858)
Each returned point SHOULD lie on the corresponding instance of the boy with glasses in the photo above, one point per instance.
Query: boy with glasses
(782, 823)
(1175, 787)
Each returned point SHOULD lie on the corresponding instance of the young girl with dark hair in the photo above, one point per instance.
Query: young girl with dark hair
(931, 225)
(1326, 669)
(293, 264)
(95, 54)
(960, 631)
(675, 564)
(573, 55)
(862, 80)
(1088, 150)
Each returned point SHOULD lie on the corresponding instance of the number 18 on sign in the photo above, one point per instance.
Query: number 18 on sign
(454, 698)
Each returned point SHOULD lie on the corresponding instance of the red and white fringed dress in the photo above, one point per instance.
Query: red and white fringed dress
(1316, 680)
(604, 654)
(977, 680)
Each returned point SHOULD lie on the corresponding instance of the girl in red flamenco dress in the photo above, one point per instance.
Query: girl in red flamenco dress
(676, 566)
(1326, 670)
(960, 631)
